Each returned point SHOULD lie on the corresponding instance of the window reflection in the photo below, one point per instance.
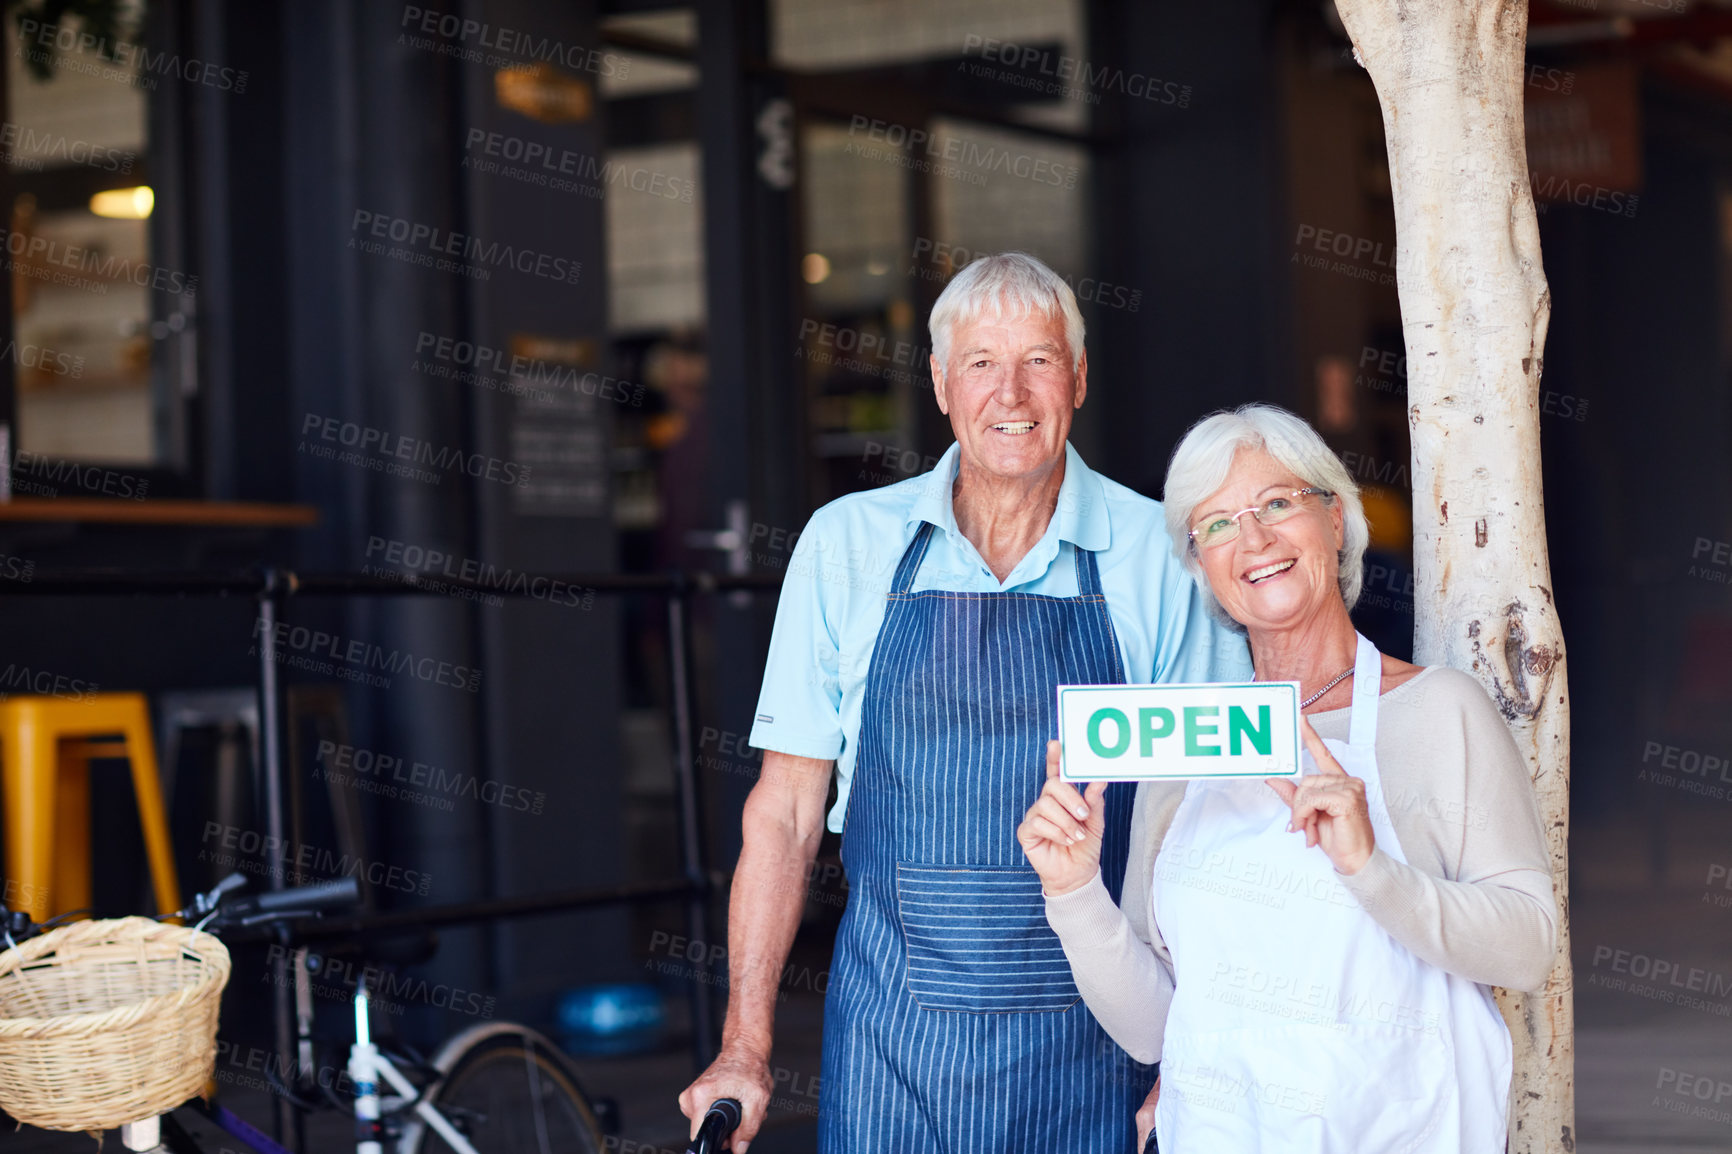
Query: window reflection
(86, 285)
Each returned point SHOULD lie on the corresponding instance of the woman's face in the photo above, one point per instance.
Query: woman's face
(1271, 577)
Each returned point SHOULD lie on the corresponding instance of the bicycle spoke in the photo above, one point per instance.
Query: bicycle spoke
(534, 1073)
(516, 1097)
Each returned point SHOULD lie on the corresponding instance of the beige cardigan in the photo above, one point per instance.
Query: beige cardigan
(1474, 897)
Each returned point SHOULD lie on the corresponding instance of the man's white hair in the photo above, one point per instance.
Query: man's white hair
(1008, 286)
(1204, 457)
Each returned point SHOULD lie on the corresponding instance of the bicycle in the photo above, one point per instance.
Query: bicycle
(496, 1088)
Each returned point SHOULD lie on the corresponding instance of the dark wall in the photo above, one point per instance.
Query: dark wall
(378, 124)
(1189, 211)
(1637, 478)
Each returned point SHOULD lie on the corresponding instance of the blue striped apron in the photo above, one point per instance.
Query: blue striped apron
(951, 1023)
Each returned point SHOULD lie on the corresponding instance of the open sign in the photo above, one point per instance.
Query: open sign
(1178, 732)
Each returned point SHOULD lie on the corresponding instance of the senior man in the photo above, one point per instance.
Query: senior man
(922, 631)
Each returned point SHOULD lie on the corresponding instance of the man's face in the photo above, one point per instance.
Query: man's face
(1009, 391)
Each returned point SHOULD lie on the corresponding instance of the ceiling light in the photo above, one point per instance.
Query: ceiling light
(124, 203)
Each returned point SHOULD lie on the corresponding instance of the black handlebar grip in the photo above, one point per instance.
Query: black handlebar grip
(720, 1120)
(331, 895)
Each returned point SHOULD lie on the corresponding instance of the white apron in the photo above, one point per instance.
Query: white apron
(1298, 1024)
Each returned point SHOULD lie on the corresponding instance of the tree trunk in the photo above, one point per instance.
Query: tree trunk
(1474, 307)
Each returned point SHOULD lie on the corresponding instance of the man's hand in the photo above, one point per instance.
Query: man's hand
(1146, 1117)
(780, 828)
(738, 1073)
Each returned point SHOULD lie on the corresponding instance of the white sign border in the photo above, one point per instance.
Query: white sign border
(1298, 742)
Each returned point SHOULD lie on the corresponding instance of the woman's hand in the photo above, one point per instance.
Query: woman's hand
(1146, 1117)
(1063, 830)
(1330, 807)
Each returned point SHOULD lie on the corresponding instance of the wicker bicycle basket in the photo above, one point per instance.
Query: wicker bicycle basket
(108, 1022)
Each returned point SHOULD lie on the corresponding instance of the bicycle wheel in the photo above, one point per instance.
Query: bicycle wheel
(511, 1091)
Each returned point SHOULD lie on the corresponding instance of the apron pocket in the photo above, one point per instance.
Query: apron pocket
(977, 941)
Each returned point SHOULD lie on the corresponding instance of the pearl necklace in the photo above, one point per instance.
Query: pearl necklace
(1337, 680)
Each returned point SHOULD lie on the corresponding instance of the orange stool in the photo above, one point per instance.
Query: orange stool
(46, 745)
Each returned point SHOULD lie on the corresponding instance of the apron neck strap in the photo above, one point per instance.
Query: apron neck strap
(1088, 575)
(911, 558)
(1367, 682)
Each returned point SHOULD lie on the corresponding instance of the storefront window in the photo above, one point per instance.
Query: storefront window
(101, 322)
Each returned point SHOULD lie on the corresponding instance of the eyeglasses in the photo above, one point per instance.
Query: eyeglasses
(1221, 529)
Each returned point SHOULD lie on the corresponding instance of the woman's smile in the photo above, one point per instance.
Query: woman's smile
(1264, 574)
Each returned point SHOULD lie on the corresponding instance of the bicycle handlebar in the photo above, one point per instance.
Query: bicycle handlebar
(722, 1119)
(331, 895)
(215, 912)
(285, 905)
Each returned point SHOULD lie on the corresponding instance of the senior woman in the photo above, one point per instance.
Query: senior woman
(1311, 962)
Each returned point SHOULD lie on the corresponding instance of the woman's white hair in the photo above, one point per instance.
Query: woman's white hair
(1204, 457)
(1008, 286)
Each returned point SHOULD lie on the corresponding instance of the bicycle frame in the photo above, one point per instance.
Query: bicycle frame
(366, 1068)
(147, 1135)
(365, 1063)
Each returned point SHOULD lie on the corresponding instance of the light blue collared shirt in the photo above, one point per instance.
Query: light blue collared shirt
(832, 601)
